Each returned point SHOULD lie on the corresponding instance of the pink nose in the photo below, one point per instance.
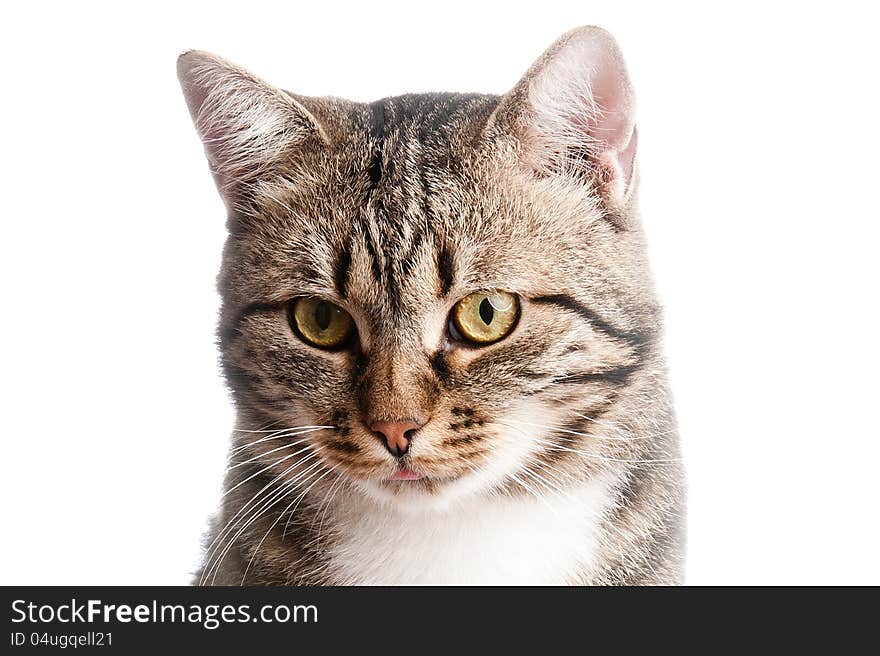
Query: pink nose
(397, 434)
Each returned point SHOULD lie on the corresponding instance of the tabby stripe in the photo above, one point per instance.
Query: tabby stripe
(256, 308)
(426, 226)
(445, 268)
(377, 127)
(635, 339)
(416, 240)
(377, 132)
(391, 284)
(441, 367)
(570, 440)
(373, 253)
(618, 376)
(340, 270)
(343, 446)
(632, 489)
(258, 400)
(374, 171)
(227, 334)
(466, 439)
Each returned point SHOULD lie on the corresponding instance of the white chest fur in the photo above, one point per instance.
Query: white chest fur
(485, 542)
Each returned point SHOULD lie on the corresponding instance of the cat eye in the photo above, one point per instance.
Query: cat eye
(484, 317)
(321, 323)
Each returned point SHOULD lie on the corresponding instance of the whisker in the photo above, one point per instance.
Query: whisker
(280, 515)
(608, 438)
(256, 512)
(534, 459)
(325, 504)
(548, 484)
(551, 446)
(230, 524)
(263, 429)
(267, 467)
(554, 482)
(218, 541)
(287, 432)
(287, 487)
(290, 515)
(538, 496)
(260, 456)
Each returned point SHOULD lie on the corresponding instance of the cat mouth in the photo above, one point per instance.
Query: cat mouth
(404, 473)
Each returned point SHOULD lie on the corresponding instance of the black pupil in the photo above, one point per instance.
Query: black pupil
(323, 315)
(486, 311)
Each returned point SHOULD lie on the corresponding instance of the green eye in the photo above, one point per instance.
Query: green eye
(485, 317)
(321, 323)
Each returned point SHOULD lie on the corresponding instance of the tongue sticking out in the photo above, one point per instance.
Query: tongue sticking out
(405, 474)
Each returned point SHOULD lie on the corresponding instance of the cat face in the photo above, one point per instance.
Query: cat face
(425, 296)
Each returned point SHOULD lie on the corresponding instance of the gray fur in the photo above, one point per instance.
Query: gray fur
(395, 210)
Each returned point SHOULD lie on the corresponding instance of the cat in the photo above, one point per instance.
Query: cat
(440, 334)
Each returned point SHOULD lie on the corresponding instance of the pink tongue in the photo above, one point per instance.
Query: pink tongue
(405, 475)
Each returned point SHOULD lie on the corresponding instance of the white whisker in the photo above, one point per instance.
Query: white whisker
(261, 456)
(267, 505)
(267, 467)
(245, 522)
(295, 504)
(231, 523)
(287, 432)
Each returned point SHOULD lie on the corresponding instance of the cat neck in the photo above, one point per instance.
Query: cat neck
(485, 540)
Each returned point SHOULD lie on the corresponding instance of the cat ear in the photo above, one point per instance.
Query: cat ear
(573, 113)
(246, 125)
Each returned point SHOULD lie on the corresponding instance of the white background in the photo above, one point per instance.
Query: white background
(758, 147)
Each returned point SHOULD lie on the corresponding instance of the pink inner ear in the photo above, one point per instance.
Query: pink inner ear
(611, 107)
(582, 99)
(621, 163)
(612, 121)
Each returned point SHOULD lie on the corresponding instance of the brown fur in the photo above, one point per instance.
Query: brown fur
(394, 211)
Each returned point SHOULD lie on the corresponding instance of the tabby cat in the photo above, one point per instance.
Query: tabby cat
(440, 334)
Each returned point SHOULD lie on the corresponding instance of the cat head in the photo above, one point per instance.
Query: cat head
(427, 296)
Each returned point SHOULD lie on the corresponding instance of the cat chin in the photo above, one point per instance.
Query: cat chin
(429, 495)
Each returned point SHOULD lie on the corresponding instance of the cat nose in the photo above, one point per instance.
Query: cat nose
(397, 434)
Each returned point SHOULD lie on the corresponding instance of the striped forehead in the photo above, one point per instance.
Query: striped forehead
(398, 251)
(402, 218)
